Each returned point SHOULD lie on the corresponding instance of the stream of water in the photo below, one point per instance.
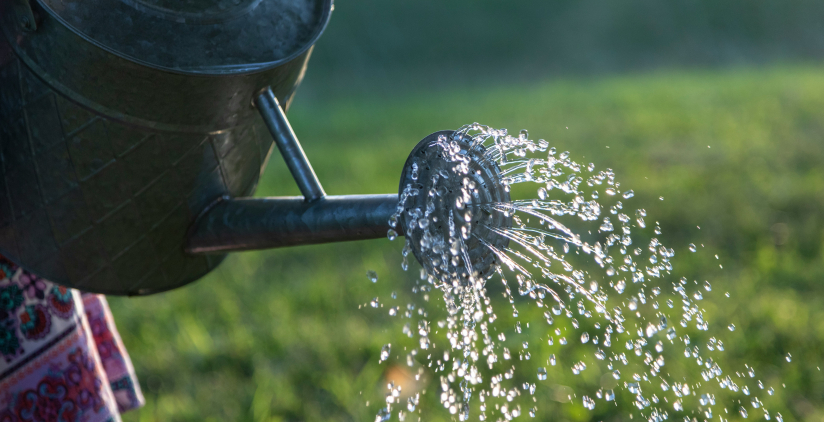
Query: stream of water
(571, 243)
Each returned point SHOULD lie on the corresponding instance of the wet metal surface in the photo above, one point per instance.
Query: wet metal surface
(431, 161)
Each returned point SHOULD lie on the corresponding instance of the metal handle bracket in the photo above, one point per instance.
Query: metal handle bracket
(242, 224)
(289, 146)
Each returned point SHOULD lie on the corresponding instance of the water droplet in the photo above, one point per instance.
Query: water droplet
(731, 327)
(541, 373)
(707, 286)
(743, 412)
(542, 193)
(391, 234)
(552, 360)
(585, 338)
(609, 395)
(374, 303)
(692, 247)
(385, 350)
(372, 276)
(789, 357)
(423, 223)
(629, 194)
(659, 347)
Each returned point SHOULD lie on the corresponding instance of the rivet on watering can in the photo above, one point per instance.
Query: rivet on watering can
(25, 15)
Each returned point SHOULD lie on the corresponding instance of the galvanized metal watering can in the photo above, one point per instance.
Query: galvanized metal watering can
(132, 130)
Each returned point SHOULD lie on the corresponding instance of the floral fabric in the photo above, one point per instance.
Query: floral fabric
(61, 358)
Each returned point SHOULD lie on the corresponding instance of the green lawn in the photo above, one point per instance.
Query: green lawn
(278, 335)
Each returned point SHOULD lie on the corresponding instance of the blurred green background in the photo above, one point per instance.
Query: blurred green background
(718, 106)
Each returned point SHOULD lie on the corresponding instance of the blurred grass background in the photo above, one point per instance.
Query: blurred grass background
(716, 106)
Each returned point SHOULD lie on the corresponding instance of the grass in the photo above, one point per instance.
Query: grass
(278, 335)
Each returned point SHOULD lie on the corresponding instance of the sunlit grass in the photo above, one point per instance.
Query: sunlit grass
(278, 335)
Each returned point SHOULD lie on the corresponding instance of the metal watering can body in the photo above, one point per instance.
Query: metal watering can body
(123, 121)
(133, 131)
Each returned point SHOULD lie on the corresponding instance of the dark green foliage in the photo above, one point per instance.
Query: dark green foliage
(377, 47)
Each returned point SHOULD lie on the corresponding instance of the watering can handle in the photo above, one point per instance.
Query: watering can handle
(242, 224)
(289, 145)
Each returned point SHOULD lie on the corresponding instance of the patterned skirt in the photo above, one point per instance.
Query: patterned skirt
(62, 357)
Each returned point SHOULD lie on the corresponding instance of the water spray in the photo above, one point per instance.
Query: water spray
(134, 133)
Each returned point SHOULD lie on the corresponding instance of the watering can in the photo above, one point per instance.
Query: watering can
(132, 133)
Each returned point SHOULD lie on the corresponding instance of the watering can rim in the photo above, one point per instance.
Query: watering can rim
(217, 70)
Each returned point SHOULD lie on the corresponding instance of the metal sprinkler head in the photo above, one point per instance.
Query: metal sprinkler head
(446, 188)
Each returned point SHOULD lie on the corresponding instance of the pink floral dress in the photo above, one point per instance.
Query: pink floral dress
(61, 358)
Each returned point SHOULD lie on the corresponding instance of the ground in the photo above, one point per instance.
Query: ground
(736, 155)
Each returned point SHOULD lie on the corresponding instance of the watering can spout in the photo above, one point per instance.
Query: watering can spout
(241, 224)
